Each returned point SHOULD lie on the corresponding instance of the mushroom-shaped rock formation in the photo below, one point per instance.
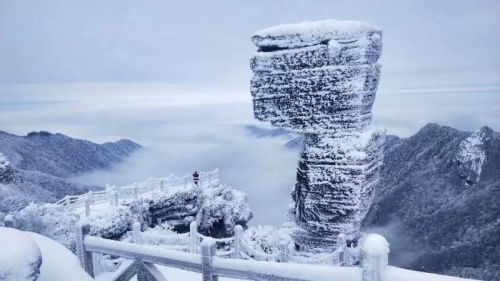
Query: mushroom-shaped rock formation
(320, 79)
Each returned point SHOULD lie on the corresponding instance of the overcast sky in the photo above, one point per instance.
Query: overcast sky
(207, 42)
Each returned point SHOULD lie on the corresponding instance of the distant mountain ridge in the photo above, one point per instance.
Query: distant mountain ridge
(40, 162)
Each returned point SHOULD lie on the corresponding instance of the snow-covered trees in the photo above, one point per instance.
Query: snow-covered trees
(7, 174)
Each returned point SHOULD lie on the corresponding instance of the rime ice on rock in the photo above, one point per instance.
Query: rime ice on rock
(320, 79)
(472, 154)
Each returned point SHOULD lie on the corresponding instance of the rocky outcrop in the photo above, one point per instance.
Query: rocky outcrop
(217, 209)
(320, 79)
(472, 154)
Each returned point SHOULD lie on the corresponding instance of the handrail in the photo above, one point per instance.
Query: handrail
(218, 240)
(113, 194)
(215, 266)
(171, 258)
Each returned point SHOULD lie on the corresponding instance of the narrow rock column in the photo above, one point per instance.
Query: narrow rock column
(320, 79)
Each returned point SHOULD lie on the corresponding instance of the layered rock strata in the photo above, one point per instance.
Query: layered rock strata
(320, 79)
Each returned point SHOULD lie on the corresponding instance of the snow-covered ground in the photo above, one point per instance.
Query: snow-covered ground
(20, 252)
(20, 249)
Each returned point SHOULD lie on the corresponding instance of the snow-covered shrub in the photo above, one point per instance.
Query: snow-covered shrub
(264, 239)
(221, 209)
(113, 222)
(50, 221)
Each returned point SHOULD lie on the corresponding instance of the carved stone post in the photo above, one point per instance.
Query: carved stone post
(342, 246)
(207, 253)
(86, 259)
(238, 231)
(136, 232)
(193, 237)
(114, 195)
(87, 206)
(375, 254)
(283, 251)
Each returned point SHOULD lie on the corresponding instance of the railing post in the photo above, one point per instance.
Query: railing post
(87, 206)
(193, 237)
(207, 254)
(374, 253)
(162, 187)
(112, 198)
(136, 195)
(238, 231)
(67, 201)
(91, 195)
(84, 256)
(96, 263)
(115, 198)
(342, 246)
(136, 233)
(283, 251)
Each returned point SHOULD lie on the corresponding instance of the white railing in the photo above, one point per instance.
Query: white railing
(114, 194)
(205, 261)
(236, 247)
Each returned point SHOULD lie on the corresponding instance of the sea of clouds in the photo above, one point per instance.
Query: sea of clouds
(188, 127)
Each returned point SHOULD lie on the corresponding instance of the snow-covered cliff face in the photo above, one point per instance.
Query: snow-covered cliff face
(435, 217)
(472, 154)
(40, 162)
(320, 79)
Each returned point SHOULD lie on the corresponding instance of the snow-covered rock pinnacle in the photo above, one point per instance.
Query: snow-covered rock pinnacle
(320, 79)
(472, 154)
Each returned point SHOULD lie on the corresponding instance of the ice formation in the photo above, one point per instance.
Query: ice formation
(320, 79)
